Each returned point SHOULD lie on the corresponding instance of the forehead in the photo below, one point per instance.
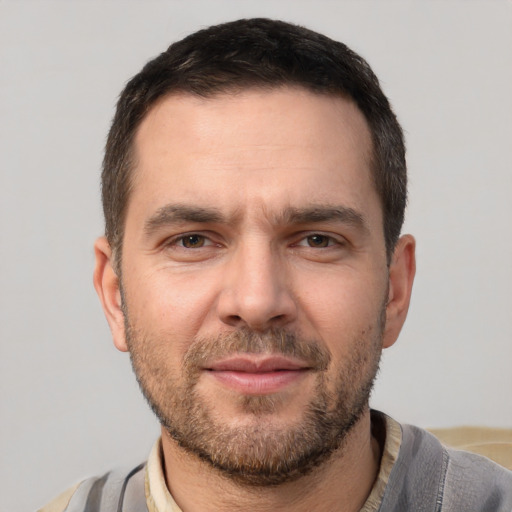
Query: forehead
(266, 147)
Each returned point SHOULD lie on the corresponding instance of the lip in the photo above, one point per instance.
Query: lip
(257, 375)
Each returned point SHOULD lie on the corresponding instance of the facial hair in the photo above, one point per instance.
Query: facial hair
(260, 454)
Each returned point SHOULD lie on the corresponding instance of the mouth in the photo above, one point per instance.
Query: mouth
(257, 374)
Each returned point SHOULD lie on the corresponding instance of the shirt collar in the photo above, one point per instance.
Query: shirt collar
(159, 498)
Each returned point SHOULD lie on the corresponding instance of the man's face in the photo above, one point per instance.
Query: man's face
(254, 276)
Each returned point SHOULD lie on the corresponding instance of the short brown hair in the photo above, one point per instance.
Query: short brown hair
(255, 53)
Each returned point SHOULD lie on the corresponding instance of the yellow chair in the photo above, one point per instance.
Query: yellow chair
(493, 443)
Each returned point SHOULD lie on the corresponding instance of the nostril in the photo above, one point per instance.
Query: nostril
(238, 321)
(234, 319)
(257, 309)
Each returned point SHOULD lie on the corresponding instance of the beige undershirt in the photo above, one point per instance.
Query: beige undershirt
(159, 498)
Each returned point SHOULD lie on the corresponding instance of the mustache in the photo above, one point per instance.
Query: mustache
(246, 341)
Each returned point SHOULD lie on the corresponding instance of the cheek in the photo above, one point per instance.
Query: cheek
(342, 309)
(173, 305)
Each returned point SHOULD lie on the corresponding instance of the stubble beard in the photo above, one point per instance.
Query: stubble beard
(260, 453)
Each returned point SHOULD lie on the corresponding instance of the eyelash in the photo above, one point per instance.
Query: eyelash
(181, 240)
(330, 240)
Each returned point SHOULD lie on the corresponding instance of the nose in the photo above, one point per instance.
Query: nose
(256, 292)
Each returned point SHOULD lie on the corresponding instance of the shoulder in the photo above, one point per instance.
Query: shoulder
(477, 483)
(458, 480)
(60, 503)
(104, 494)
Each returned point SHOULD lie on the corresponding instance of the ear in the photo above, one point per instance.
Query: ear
(108, 289)
(401, 276)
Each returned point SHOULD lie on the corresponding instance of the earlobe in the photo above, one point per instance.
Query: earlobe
(401, 276)
(108, 289)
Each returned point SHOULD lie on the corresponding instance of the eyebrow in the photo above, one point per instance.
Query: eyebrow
(316, 214)
(180, 213)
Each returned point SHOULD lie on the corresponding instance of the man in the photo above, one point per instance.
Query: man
(254, 188)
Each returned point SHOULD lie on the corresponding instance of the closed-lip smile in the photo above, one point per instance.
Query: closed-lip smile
(257, 374)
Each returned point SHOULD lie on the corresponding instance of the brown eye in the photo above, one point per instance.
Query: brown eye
(193, 241)
(318, 241)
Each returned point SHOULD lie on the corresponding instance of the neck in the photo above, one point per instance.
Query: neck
(342, 483)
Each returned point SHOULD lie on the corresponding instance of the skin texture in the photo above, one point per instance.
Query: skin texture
(254, 232)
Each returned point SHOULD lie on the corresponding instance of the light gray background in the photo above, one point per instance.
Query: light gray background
(69, 404)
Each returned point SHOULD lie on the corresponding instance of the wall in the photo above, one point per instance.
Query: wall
(69, 404)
